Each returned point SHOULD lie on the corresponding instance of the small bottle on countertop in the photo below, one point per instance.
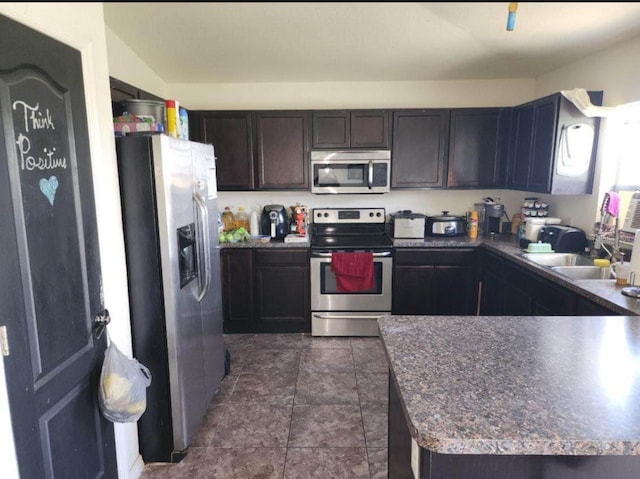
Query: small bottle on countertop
(473, 225)
(254, 227)
(228, 219)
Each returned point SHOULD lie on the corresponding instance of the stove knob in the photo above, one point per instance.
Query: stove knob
(371, 214)
(326, 215)
(319, 215)
(378, 214)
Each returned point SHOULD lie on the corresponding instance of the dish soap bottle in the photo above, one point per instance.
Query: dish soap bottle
(473, 225)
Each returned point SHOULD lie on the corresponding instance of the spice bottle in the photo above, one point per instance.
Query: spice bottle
(473, 225)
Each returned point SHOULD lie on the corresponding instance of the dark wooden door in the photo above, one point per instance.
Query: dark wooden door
(283, 150)
(236, 269)
(419, 148)
(282, 291)
(50, 280)
(455, 290)
(542, 151)
(369, 129)
(231, 134)
(413, 288)
(331, 129)
(491, 292)
(478, 147)
(520, 152)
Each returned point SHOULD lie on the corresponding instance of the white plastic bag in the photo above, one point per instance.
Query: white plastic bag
(123, 386)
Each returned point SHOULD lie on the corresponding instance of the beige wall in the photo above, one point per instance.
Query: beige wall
(332, 95)
(81, 26)
(128, 67)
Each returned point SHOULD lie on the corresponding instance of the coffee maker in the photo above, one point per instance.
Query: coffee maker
(489, 216)
(493, 213)
(274, 221)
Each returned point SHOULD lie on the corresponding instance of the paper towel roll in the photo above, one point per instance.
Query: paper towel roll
(634, 273)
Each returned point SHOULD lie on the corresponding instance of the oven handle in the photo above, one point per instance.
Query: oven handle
(381, 254)
(333, 316)
(370, 176)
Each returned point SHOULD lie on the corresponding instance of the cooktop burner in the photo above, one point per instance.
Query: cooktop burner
(349, 228)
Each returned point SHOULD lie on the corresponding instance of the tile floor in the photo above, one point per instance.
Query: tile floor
(293, 407)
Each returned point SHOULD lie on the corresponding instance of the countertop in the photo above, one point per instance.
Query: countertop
(259, 244)
(606, 293)
(561, 385)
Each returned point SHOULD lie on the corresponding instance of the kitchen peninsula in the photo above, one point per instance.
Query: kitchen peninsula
(513, 397)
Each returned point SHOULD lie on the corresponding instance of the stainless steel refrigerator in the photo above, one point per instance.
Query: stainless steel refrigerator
(169, 207)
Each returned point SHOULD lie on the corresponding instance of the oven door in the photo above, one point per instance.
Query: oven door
(325, 295)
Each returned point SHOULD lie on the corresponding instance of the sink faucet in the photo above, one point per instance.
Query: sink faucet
(614, 254)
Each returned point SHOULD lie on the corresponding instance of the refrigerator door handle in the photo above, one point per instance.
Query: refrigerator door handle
(203, 238)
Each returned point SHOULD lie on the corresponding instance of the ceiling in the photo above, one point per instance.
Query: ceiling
(306, 42)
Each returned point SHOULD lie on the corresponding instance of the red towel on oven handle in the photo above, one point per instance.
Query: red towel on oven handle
(354, 271)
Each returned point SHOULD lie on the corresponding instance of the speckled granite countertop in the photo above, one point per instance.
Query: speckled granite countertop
(606, 293)
(259, 244)
(560, 385)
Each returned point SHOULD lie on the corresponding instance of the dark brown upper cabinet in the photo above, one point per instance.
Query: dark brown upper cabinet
(478, 147)
(419, 150)
(263, 150)
(282, 154)
(358, 129)
(231, 134)
(553, 146)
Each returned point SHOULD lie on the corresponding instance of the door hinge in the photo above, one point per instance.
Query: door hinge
(4, 341)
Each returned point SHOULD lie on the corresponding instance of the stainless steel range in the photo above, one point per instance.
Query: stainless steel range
(335, 312)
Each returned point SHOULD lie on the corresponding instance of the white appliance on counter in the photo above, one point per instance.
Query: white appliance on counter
(408, 225)
(169, 204)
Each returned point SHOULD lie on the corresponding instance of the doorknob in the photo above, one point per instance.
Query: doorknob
(100, 322)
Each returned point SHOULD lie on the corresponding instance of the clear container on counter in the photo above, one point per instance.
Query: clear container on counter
(228, 219)
(242, 219)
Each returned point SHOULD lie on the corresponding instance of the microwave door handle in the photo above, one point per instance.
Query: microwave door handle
(370, 176)
(203, 237)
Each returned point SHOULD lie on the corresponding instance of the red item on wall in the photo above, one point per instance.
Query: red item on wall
(354, 271)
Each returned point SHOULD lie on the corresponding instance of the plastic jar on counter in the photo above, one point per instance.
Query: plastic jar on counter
(228, 219)
(242, 219)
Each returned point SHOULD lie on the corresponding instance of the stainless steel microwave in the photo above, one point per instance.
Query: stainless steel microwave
(350, 171)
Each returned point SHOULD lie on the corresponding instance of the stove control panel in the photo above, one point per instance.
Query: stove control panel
(349, 215)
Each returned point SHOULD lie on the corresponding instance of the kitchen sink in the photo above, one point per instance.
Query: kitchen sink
(583, 272)
(559, 259)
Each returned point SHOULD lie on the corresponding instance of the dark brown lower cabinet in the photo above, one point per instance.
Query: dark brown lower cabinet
(480, 466)
(282, 292)
(511, 290)
(265, 290)
(236, 269)
(585, 307)
(435, 281)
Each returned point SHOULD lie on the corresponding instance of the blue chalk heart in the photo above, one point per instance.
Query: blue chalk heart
(49, 187)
